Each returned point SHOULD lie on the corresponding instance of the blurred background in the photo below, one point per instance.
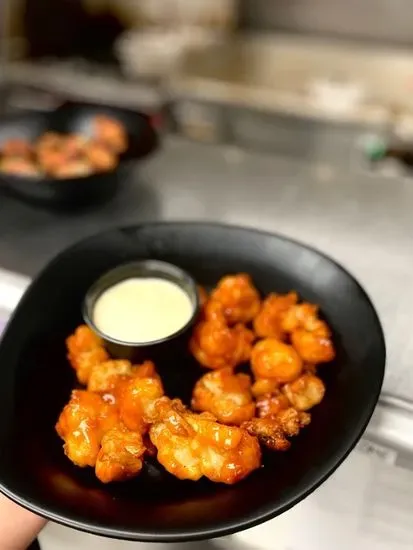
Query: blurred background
(293, 116)
(348, 64)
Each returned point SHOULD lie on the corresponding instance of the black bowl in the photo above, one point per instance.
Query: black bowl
(77, 118)
(157, 350)
(37, 380)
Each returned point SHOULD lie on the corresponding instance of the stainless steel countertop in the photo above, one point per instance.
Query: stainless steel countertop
(365, 223)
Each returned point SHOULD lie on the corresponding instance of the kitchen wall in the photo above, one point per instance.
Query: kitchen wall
(380, 20)
(388, 21)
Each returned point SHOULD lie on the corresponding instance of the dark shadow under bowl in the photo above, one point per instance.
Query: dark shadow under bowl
(37, 381)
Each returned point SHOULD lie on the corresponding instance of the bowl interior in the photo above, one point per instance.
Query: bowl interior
(73, 117)
(23, 126)
(37, 381)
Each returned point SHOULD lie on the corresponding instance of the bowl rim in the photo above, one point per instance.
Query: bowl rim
(102, 284)
(269, 512)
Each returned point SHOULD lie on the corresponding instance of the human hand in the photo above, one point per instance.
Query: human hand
(18, 527)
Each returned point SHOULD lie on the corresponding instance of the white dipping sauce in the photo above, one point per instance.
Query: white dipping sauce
(140, 310)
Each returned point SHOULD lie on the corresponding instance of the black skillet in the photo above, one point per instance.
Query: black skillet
(36, 382)
(73, 117)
